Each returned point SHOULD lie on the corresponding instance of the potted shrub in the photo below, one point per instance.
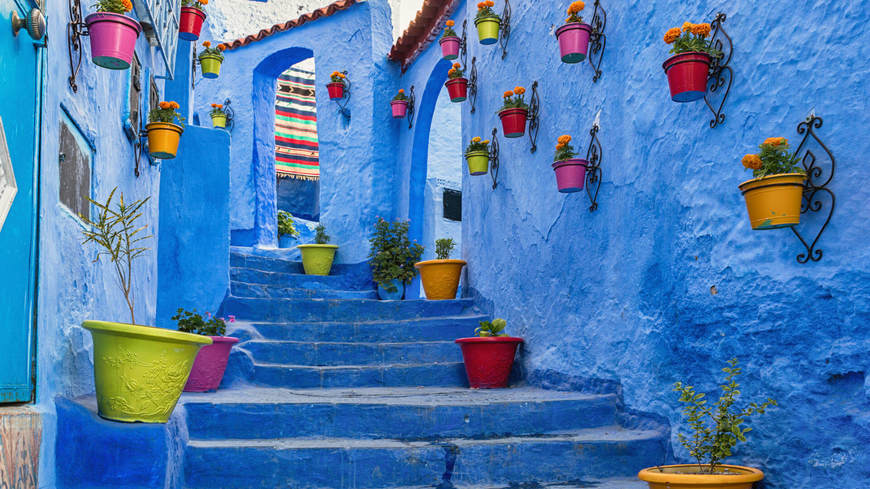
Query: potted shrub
(218, 116)
(192, 17)
(513, 113)
(570, 171)
(574, 35)
(139, 371)
(211, 361)
(716, 429)
(489, 355)
(440, 277)
(487, 22)
(210, 60)
(477, 156)
(774, 196)
(163, 132)
(449, 42)
(287, 230)
(457, 85)
(399, 104)
(687, 70)
(392, 257)
(317, 257)
(337, 85)
(113, 34)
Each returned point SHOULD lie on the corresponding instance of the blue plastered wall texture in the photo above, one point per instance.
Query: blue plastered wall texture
(666, 280)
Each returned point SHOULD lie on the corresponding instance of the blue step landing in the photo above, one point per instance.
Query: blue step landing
(394, 375)
(246, 290)
(332, 354)
(269, 270)
(433, 328)
(285, 310)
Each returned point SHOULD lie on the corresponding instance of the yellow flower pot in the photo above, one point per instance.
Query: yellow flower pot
(163, 139)
(219, 120)
(687, 477)
(774, 201)
(487, 29)
(140, 371)
(440, 278)
(478, 162)
(317, 258)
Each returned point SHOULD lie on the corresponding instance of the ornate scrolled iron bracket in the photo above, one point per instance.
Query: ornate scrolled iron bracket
(593, 166)
(463, 43)
(472, 84)
(493, 158)
(231, 114)
(720, 76)
(140, 148)
(75, 30)
(597, 40)
(534, 116)
(345, 99)
(412, 100)
(505, 28)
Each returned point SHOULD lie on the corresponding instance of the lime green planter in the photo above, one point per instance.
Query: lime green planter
(478, 162)
(317, 258)
(219, 120)
(211, 66)
(487, 29)
(140, 371)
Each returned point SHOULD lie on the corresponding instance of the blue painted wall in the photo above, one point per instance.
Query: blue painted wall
(626, 294)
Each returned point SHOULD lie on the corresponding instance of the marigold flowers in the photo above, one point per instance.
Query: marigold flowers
(564, 151)
(672, 35)
(207, 44)
(564, 139)
(128, 5)
(450, 23)
(576, 7)
(702, 30)
(773, 159)
(475, 139)
(221, 47)
(752, 162)
(691, 38)
(687, 26)
(775, 142)
(507, 94)
(166, 112)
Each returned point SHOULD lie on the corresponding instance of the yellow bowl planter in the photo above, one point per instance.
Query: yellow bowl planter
(774, 201)
(163, 138)
(440, 278)
(219, 120)
(687, 477)
(487, 29)
(140, 371)
(317, 258)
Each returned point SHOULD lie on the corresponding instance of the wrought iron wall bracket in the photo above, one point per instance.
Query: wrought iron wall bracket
(593, 167)
(597, 40)
(721, 76)
(412, 100)
(345, 99)
(231, 114)
(472, 84)
(493, 158)
(463, 43)
(505, 28)
(140, 148)
(534, 117)
(75, 30)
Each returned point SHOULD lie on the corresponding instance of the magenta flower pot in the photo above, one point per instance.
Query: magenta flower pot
(570, 175)
(113, 39)
(210, 364)
(573, 41)
(449, 47)
(400, 108)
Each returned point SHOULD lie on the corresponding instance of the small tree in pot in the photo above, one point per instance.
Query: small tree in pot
(317, 258)
(440, 277)
(392, 257)
(489, 355)
(211, 361)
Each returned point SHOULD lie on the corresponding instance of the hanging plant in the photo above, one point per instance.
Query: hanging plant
(192, 17)
(450, 42)
(113, 34)
(773, 197)
(570, 171)
(218, 115)
(574, 35)
(337, 84)
(487, 22)
(457, 84)
(163, 131)
(210, 59)
(688, 69)
(399, 104)
(514, 112)
(477, 156)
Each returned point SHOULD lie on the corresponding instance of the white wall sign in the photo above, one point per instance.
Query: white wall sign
(8, 187)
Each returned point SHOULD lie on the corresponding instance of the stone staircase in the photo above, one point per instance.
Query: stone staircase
(331, 388)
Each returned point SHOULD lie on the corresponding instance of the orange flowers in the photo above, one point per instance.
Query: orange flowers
(486, 4)
(576, 7)
(672, 35)
(128, 5)
(687, 26)
(202, 2)
(508, 94)
(217, 106)
(702, 30)
(475, 139)
(450, 23)
(456, 65)
(221, 46)
(519, 90)
(752, 162)
(401, 90)
(564, 139)
(174, 105)
(775, 142)
(165, 105)
(207, 44)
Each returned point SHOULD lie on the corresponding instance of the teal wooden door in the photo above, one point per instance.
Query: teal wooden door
(19, 113)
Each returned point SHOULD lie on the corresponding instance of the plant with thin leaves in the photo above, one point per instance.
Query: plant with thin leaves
(320, 236)
(443, 247)
(716, 429)
(116, 232)
(286, 225)
(491, 328)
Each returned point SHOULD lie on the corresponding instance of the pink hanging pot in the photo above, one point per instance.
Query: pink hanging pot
(400, 108)
(113, 39)
(573, 41)
(449, 47)
(570, 175)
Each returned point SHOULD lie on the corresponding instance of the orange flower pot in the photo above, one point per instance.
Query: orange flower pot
(163, 138)
(440, 278)
(687, 477)
(774, 201)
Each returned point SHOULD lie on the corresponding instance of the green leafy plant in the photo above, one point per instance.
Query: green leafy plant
(166, 112)
(448, 29)
(192, 322)
(286, 226)
(484, 10)
(217, 109)
(455, 72)
(338, 77)
(392, 254)
(514, 99)
(716, 429)
(401, 95)
(477, 145)
(564, 150)
(774, 159)
(320, 236)
(217, 51)
(197, 4)
(443, 247)
(116, 232)
(691, 38)
(491, 328)
(114, 6)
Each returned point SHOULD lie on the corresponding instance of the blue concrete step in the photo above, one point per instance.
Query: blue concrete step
(395, 375)
(343, 353)
(242, 289)
(277, 310)
(339, 463)
(609, 483)
(435, 328)
(261, 269)
(413, 413)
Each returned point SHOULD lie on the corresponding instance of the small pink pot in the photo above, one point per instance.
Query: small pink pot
(400, 108)
(573, 41)
(210, 364)
(113, 39)
(449, 47)
(570, 175)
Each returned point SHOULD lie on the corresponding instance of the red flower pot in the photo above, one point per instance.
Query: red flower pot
(190, 23)
(573, 41)
(399, 108)
(449, 47)
(458, 89)
(488, 360)
(335, 89)
(570, 175)
(687, 75)
(513, 122)
(210, 364)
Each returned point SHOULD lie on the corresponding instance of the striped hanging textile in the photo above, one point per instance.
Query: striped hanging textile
(296, 150)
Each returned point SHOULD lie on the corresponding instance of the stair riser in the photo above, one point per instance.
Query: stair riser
(452, 375)
(299, 279)
(335, 354)
(208, 421)
(241, 289)
(425, 330)
(277, 310)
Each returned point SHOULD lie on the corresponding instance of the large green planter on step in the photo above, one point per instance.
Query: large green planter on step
(140, 371)
(317, 258)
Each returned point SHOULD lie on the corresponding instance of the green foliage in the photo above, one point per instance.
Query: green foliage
(116, 232)
(485, 11)
(197, 4)
(401, 95)
(477, 145)
(564, 150)
(166, 114)
(192, 322)
(114, 6)
(207, 50)
(320, 236)
(716, 429)
(443, 247)
(449, 32)
(777, 159)
(491, 328)
(217, 109)
(693, 40)
(392, 254)
(514, 99)
(286, 226)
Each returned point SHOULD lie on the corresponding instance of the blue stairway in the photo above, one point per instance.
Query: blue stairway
(331, 388)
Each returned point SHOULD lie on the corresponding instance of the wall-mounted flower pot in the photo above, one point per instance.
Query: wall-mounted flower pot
(449, 47)
(570, 175)
(478, 162)
(219, 120)
(163, 139)
(487, 29)
(457, 88)
(113, 39)
(488, 360)
(440, 278)
(335, 89)
(285, 241)
(139, 371)
(317, 258)
(211, 65)
(513, 122)
(774, 201)
(686, 477)
(573, 41)
(400, 108)
(210, 364)
(393, 291)
(687, 75)
(190, 23)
